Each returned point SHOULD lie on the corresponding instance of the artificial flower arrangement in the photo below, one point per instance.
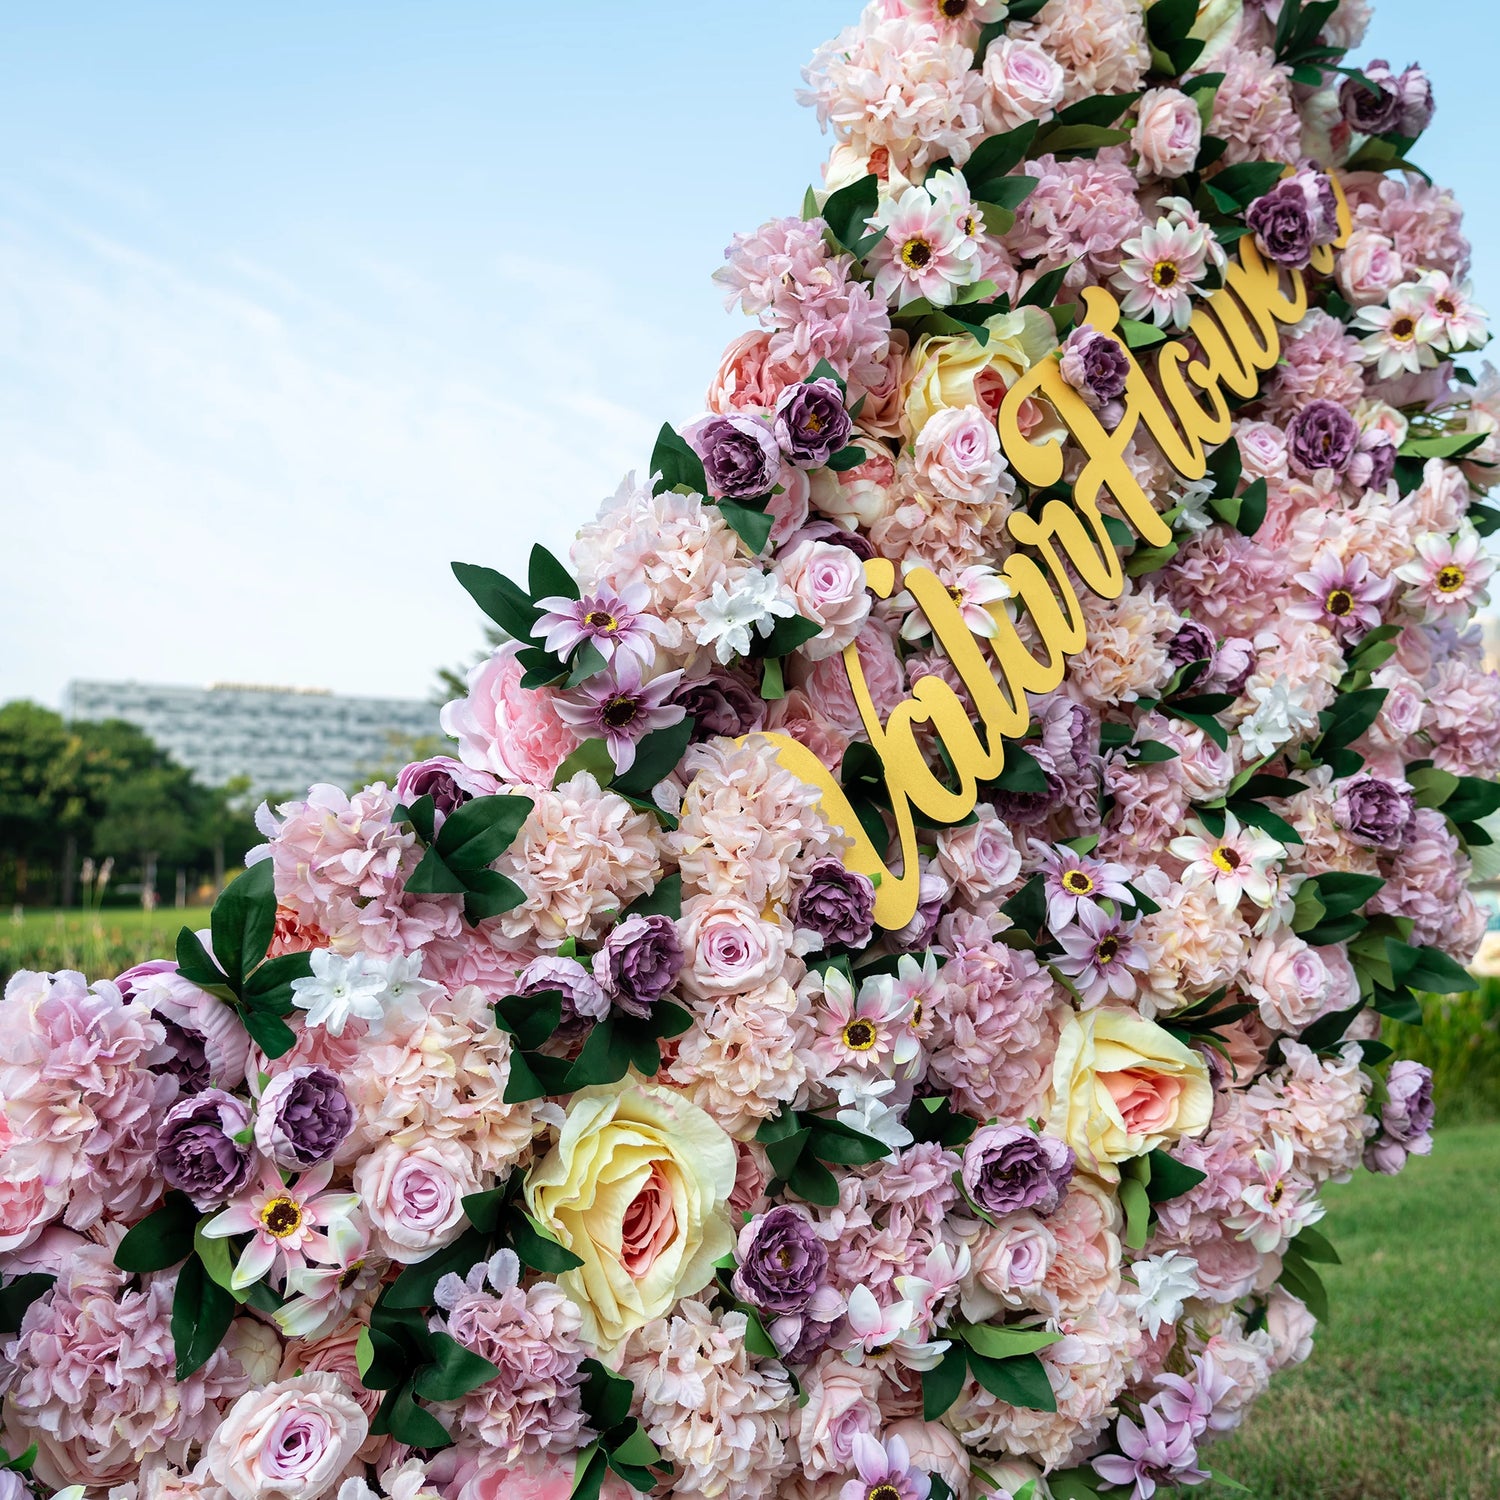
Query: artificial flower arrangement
(727, 1076)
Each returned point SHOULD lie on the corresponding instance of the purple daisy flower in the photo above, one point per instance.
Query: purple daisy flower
(612, 622)
(617, 707)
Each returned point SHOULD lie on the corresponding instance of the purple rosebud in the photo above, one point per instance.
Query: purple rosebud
(740, 454)
(195, 1149)
(1194, 641)
(1233, 663)
(1374, 461)
(1415, 91)
(782, 1261)
(639, 962)
(811, 424)
(1322, 436)
(1284, 224)
(1372, 108)
(1007, 1168)
(1095, 366)
(837, 905)
(582, 996)
(721, 703)
(303, 1118)
(448, 782)
(1374, 811)
(1405, 1118)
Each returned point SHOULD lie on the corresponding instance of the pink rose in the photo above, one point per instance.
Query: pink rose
(291, 1441)
(1022, 82)
(1290, 1326)
(958, 457)
(1012, 1259)
(730, 948)
(1369, 268)
(1263, 450)
(842, 1401)
(828, 583)
(412, 1195)
(501, 727)
(1167, 134)
(1294, 984)
(981, 859)
(827, 682)
(858, 495)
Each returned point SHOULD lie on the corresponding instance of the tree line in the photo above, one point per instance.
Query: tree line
(75, 795)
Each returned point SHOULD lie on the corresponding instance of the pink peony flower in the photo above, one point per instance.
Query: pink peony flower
(502, 727)
(1253, 109)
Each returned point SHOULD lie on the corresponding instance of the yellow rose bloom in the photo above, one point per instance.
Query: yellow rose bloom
(1121, 1087)
(942, 369)
(637, 1187)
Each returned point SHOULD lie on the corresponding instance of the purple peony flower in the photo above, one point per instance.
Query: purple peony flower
(582, 997)
(303, 1118)
(1193, 642)
(740, 454)
(1030, 808)
(811, 424)
(639, 963)
(448, 782)
(1007, 1168)
(196, 1151)
(1415, 90)
(782, 1261)
(836, 904)
(1405, 1118)
(721, 703)
(1374, 810)
(1283, 224)
(1374, 461)
(1373, 108)
(1322, 436)
(1095, 366)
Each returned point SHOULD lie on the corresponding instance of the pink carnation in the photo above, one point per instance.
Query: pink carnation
(1253, 109)
(1081, 210)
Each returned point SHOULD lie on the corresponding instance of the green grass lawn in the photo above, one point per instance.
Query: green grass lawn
(1399, 1400)
(99, 945)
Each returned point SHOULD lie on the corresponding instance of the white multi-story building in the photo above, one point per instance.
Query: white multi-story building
(282, 739)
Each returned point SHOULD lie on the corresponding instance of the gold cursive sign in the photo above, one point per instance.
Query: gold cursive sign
(1233, 339)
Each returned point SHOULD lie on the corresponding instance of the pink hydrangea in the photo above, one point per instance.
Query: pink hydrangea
(1318, 1104)
(1463, 719)
(1320, 361)
(1081, 210)
(1254, 111)
(93, 1380)
(1423, 222)
(1101, 44)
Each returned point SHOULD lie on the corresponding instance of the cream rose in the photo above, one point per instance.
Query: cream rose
(953, 370)
(290, 1441)
(413, 1195)
(637, 1186)
(1121, 1087)
(731, 949)
(828, 583)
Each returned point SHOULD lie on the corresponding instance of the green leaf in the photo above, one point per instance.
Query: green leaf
(995, 157)
(270, 986)
(1302, 1281)
(547, 577)
(478, 833)
(1258, 815)
(411, 1424)
(201, 1314)
(1169, 21)
(605, 1058)
(834, 1141)
(1312, 1244)
(1252, 508)
(1340, 894)
(786, 635)
(161, 1239)
(268, 1031)
(1237, 187)
(455, 1371)
(1350, 716)
(1065, 138)
(1428, 969)
(606, 1397)
(1170, 1178)
(539, 1248)
(941, 1385)
(814, 1182)
(656, 757)
(753, 526)
(1140, 335)
(1028, 907)
(1043, 291)
(196, 966)
(244, 921)
(19, 1295)
(413, 1287)
(531, 1019)
(1021, 1381)
(847, 213)
(637, 1449)
(1021, 771)
(676, 463)
(850, 457)
(534, 1075)
(591, 756)
(663, 900)
(1151, 753)
(432, 877)
(1328, 1031)
(1448, 445)
(217, 1259)
(589, 1471)
(507, 604)
(1432, 786)
(1472, 799)
(489, 894)
(996, 1342)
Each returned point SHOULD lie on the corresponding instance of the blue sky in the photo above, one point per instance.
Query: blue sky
(299, 302)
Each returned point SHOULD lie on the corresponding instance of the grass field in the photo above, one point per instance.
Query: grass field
(101, 946)
(1399, 1401)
